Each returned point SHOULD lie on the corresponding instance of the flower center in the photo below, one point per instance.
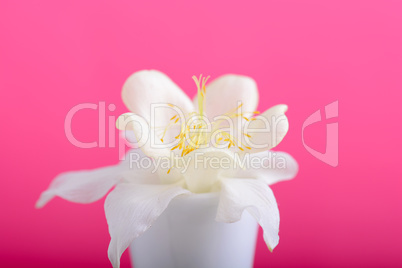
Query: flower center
(198, 132)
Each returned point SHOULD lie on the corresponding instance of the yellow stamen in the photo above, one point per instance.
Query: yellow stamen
(174, 147)
(194, 135)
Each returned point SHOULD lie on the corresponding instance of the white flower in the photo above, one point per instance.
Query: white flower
(183, 130)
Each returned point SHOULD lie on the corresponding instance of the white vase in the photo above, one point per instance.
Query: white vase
(186, 235)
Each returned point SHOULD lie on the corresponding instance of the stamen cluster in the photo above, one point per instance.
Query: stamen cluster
(196, 132)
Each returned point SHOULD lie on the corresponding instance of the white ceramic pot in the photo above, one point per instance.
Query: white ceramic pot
(186, 235)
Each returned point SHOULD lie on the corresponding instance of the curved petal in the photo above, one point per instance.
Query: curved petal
(148, 142)
(270, 167)
(255, 196)
(150, 87)
(268, 129)
(131, 209)
(226, 92)
(90, 185)
(138, 170)
(146, 137)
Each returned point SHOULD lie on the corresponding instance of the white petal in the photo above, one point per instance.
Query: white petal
(154, 100)
(257, 198)
(270, 167)
(224, 94)
(146, 137)
(145, 87)
(90, 185)
(206, 167)
(137, 170)
(147, 142)
(81, 186)
(131, 209)
(268, 130)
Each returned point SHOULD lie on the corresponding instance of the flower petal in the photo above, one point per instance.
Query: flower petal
(146, 137)
(224, 94)
(148, 87)
(131, 209)
(158, 108)
(268, 130)
(90, 185)
(270, 167)
(146, 141)
(257, 198)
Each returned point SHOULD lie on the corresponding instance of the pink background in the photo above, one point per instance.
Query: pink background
(307, 54)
